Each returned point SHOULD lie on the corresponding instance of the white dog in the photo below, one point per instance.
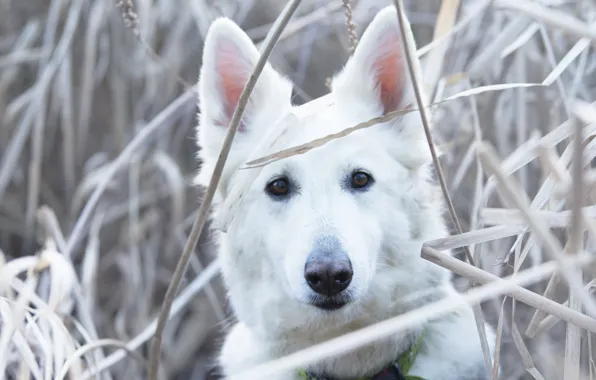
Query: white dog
(327, 242)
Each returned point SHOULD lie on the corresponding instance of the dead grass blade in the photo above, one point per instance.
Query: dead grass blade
(175, 180)
(518, 293)
(520, 41)
(435, 59)
(93, 346)
(494, 48)
(512, 192)
(473, 237)
(33, 335)
(10, 157)
(509, 217)
(172, 111)
(479, 6)
(567, 60)
(499, 335)
(576, 245)
(550, 17)
(525, 353)
(185, 296)
(88, 78)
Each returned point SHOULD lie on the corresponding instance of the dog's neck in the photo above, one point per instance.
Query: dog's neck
(396, 370)
(367, 360)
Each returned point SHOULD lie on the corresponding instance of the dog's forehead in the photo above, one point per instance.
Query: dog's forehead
(322, 120)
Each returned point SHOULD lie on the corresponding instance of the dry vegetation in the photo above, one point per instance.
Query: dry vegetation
(97, 153)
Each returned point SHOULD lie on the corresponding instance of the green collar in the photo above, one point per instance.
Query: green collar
(396, 371)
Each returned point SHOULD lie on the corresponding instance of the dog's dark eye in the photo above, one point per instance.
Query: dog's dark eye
(361, 180)
(279, 187)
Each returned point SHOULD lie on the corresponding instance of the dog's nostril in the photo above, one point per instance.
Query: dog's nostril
(343, 277)
(327, 276)
(313, 279)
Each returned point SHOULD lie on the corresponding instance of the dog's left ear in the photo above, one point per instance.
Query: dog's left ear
(376, 80)
(377, 74)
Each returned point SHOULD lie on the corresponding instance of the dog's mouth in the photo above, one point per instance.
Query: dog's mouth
(330, 303)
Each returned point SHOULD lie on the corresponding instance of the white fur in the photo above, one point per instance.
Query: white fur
(264, 250)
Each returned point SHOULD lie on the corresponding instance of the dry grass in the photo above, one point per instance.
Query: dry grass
(97, 153)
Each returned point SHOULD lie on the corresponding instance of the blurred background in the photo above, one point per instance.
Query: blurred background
(80, 79)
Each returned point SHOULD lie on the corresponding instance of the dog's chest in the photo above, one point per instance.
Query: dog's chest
(366, 360)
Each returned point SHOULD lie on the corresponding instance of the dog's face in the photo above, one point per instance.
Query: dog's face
(316, 230)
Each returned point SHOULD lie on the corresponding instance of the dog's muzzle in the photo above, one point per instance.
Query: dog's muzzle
(328, 272)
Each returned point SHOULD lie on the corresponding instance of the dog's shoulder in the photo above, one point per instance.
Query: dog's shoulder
(451, 349)
(243, 350)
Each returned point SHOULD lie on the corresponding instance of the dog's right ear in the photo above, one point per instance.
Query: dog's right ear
(376, 81)
(229, 58)
(377, 74)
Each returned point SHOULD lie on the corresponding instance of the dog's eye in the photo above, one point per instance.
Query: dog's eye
(361, 180)
(279, 187)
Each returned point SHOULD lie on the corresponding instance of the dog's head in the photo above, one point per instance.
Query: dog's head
(330, 227)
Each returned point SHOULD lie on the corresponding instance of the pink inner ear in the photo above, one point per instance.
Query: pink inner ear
(233, 75)
(389, 68)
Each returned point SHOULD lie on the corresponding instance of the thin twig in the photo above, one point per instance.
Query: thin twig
(577, 231)
(37, 108)
(573, 337)
(197, 227)
(425, 123)
(350, 25)
(518, 293)
(551, 320)
(431, 145)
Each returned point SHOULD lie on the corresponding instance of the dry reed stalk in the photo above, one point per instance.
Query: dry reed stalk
(518, 293)
(172, 111)
(181, 301)
(407, 41)
(434, 61)
(511, 191)
(199, 224)
(576, 245)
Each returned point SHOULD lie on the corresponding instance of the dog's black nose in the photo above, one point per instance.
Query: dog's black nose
(328, 275)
